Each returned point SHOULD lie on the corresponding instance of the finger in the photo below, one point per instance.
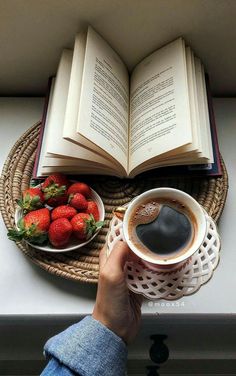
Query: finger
(136, 299)
(103, 257)
(118, 256)
(136, 305)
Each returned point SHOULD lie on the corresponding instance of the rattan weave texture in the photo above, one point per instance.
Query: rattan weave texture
(83, 265)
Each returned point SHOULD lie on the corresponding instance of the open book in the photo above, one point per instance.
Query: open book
(102, 120)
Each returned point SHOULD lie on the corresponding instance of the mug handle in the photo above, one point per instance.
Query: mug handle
(119, 212)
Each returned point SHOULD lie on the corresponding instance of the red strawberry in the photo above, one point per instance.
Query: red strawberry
(55, 189)
(60, 232)
(56, 178)
(79, 187)
(84, 215)
(32, 199)
(57, 200)
(63, 211)
(78, 201)
(93, 209)
(84, 226)
(33, 227)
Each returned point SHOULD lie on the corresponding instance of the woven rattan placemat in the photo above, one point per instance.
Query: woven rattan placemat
(82, 264)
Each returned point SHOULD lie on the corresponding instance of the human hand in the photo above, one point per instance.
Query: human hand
(116, 307)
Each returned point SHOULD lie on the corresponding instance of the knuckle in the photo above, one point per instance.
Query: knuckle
(108, 277)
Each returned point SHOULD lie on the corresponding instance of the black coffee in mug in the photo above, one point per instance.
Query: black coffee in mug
(163, 227)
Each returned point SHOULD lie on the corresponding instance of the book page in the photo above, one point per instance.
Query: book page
(74, 91)
(73, 98)
(77, 165)
(80, 170)
(159, 104)
(53, 143)
(43, 149)
(104, 103)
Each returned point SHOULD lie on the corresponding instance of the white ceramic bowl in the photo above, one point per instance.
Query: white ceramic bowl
(74, 243)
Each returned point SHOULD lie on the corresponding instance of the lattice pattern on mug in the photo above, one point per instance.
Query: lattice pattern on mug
(177, 283)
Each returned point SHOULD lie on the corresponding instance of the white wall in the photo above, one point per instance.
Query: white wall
(33, 33)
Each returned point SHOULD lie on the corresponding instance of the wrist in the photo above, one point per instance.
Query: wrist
(99, 317)
(109, 324)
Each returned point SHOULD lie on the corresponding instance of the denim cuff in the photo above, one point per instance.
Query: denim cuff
(89, 349)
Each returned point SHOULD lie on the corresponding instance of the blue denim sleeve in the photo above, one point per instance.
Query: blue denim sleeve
(55, 368)
(87, 348)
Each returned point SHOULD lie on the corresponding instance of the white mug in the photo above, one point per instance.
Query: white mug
(177, 259)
